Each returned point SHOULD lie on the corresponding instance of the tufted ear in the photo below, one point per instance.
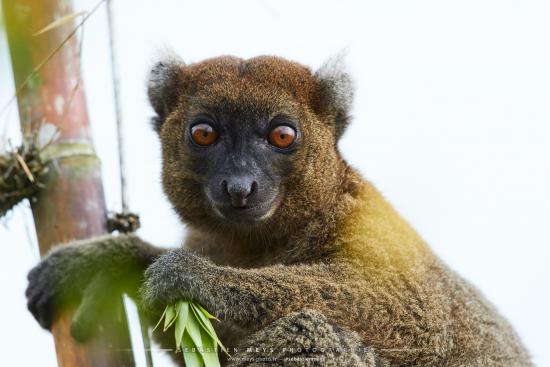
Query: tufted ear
(164, 87)
(335, 93)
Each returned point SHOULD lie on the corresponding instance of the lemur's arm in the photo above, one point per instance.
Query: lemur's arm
(87, 272)
(245, 296)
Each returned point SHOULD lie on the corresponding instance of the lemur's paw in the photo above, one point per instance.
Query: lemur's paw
(48, 287)
(170, 278)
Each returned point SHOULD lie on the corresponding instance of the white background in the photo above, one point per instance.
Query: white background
(452, 119)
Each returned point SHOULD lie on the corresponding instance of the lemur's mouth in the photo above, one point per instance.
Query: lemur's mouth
(250, 213)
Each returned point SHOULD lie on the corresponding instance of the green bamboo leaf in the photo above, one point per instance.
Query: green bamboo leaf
(206, 313)
(171, 315)
(191, 358)
(202, 338)
(59, 22)
(207, 326)
(181, 322)
(203, 320)
(161, 317)
(194, 329)
(194, 333)
(210, 350)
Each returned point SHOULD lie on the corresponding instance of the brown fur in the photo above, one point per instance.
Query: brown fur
(262, 86)
(358, 262)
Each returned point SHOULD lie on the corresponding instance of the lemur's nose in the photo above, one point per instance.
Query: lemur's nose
(239, 189)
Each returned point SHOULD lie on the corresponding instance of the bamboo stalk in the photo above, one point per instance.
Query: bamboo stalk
(71, 205)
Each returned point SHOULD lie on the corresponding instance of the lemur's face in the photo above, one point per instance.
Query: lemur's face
(244, 143)
(240, 155)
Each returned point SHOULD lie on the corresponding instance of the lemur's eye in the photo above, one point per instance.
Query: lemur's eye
(203, 134)
(282, 136)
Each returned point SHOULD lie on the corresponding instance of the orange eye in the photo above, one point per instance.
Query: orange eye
(203, 134)
(282, 136)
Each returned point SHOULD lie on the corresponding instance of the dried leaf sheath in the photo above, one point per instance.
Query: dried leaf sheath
(21, 175)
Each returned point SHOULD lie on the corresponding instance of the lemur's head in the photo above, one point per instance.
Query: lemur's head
(249, 142)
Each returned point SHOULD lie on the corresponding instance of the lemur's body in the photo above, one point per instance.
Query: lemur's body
(286, 243)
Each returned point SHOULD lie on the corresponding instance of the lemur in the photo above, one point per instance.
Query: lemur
(286, 243)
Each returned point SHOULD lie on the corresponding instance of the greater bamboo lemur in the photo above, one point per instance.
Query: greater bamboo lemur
(286, 243)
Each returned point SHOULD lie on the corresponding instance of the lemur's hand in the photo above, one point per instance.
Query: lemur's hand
(248, 297)
(89, 274)
(176, 275)
(55, 281)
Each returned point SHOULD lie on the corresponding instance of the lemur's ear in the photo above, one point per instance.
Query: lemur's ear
(164, 87)
(336, 93)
